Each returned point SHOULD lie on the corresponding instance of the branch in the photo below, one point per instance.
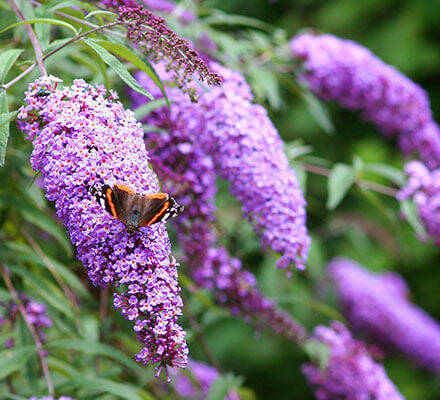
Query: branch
(70, 295)
(375, 187)
(32, 37)
(31, 328)
(74, 39)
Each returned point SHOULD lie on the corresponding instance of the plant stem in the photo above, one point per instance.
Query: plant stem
(32, 37)
(201, 337)
(375, 187)
(52, 269)
(74, 39)
(31, 328)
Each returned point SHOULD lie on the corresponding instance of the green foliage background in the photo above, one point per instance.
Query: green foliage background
(91, 347)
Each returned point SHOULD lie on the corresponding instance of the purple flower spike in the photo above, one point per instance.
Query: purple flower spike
(83, 136)
(190, 173)
(378, 305)
(245, 149)
(343, 71)
(351, 372)
(424, 187)
(36, 314)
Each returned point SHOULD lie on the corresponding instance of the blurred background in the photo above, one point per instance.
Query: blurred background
(364, 227)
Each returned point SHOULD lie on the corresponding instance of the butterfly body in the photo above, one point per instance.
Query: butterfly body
(135, 210)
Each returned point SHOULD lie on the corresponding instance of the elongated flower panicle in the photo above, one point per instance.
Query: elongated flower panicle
(423, 186)
(351, 372)
(246, 150)
(378, 305)
(345, 72)
(198, 385)
(182, 166)
(150, 33)
(83, 137)
(36, 314)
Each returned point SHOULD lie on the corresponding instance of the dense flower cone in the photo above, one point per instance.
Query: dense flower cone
(351, 373)
(378, 305)
(424, 187)
(83, 137)
(36, 314)
(246, 150)
(343, 71)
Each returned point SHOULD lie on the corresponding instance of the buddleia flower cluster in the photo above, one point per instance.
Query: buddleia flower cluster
(82, 137)
(351, 373)
(185, 167)
(343, 71)
(151, 34)
(423, 186)
(378, 306)
(36, 315)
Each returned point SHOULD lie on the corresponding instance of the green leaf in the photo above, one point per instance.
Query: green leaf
(12, 360)
(339, 182)
(38, 218)
(222, 385)
(73, 3)
(409, 210)
(118, 67)
(129, 56)
(4, 126)
(101, 12)
(94, 348)
(23, 253)
(145, 109)
(318, 352)
(106, 386)
(46, 290)
(395, 175)
(7, 60)
(41, 21)
(295, 149)
(221, 18)
(318, 110)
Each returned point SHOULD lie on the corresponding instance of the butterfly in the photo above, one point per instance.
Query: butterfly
(136, 210)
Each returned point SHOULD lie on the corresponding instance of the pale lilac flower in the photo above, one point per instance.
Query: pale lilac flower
(82, 136)
(345, 72)
(351, 373)
(423, 186)
(378, 305)
(36, 314)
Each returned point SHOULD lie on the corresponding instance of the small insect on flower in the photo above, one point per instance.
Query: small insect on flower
(135, 210)
(43, 93)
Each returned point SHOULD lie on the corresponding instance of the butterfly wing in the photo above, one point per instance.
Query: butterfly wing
(109, 199)
(158, 207)
(134, 210)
